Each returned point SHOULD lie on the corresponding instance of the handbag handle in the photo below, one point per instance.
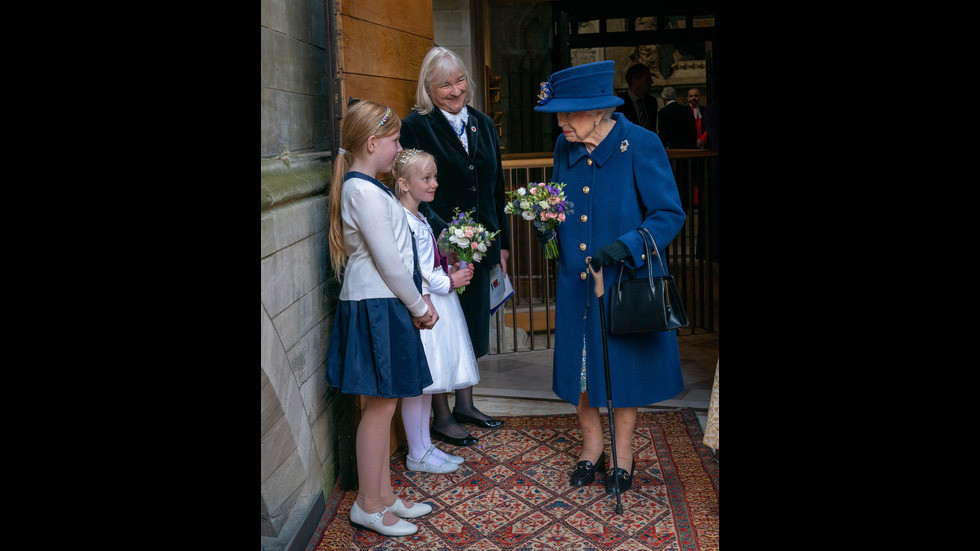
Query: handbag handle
(656, 251)
(644, 233)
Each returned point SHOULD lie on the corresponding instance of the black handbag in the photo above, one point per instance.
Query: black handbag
(646, 304)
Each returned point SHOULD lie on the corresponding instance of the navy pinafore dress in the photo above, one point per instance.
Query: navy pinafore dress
(375, 349)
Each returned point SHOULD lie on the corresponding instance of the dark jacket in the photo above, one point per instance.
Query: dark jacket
(471, 179)
(676, 126)
(628, 109)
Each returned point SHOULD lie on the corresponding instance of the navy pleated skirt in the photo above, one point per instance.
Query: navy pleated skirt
(375, 350)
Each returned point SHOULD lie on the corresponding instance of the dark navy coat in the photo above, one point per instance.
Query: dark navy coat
(625, 183)
(469, 180)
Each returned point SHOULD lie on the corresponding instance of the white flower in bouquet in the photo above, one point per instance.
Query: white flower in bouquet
(545, 205)
(467, 239)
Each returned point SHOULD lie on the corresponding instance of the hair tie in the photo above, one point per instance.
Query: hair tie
(341, 150)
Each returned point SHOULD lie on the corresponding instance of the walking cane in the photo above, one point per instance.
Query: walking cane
(599, 290)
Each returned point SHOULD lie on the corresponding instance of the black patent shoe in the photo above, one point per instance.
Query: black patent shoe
(618, 481)
(467, 440)
(585, 471)
(482, 423)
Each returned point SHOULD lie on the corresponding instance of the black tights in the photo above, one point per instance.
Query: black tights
(443, 421)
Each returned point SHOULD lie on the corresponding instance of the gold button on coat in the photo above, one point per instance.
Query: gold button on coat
(588, 161)
(582, 275)
(585, 218)
(582, 246)
(585, 190)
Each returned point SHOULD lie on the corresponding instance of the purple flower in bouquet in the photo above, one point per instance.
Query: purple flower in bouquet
(468, 239)
(544, 204)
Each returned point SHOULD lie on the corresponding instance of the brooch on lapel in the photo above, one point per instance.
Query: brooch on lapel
(473, 129)
(624, 146)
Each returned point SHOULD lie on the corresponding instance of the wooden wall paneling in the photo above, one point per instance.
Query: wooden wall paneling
(382, 64)
(411, 16)
(372, 49)
(397, 94)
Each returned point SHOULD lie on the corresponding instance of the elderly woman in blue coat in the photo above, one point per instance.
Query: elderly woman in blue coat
(618, 177)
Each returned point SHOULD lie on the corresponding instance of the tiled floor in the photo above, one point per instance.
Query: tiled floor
(520, 383)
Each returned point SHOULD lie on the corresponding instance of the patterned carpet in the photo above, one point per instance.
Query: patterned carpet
(513, 494)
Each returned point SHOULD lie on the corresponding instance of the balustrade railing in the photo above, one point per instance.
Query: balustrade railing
(527, 320)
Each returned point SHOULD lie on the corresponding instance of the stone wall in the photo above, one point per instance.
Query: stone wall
(298, 297)
(295, 77)
(298, 458)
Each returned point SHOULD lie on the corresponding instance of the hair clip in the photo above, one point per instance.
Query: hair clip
(384, 120)
(405, 155)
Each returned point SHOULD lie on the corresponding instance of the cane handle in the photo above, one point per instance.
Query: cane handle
(599, 288)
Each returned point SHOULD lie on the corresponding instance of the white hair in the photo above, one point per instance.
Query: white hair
(439, 64)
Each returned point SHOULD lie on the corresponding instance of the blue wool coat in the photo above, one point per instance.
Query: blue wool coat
(625, 183)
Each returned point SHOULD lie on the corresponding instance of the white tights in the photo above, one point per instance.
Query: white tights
(415, 416)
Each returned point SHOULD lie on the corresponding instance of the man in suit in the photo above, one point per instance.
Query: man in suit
(677, 130)
(638, 107)
(694, 102)
(675, 123)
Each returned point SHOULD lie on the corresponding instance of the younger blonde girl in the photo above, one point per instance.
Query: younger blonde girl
(448, 350)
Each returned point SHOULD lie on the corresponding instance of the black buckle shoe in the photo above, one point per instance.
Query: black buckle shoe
(482, 423)
(619, 481)
(467, 440)
(585, 471)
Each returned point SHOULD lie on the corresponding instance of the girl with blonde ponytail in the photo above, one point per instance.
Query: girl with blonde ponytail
(375, 347)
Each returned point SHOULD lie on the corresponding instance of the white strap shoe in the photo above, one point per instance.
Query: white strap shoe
(453, 458)
(372, 521)
(415, 511)
(423, 464)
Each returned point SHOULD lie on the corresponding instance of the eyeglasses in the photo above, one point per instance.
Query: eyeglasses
(571, 115)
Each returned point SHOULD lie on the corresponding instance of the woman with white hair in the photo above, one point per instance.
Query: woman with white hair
(464, 143)
(619, 177)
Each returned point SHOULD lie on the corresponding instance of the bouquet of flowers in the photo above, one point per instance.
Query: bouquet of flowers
(545, 204)
(466, 238)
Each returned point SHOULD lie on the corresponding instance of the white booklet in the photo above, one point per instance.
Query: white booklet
(500, 288)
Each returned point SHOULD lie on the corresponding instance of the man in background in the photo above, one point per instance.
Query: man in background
(675, 122)
(638, 106)
(693, 101)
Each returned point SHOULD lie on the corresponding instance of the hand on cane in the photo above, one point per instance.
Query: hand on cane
(609, 254)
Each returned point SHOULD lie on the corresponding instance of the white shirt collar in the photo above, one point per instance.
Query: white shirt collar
(458, 118)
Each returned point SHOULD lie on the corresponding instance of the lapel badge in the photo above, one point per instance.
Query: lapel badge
(624, 146)
(472, 129)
